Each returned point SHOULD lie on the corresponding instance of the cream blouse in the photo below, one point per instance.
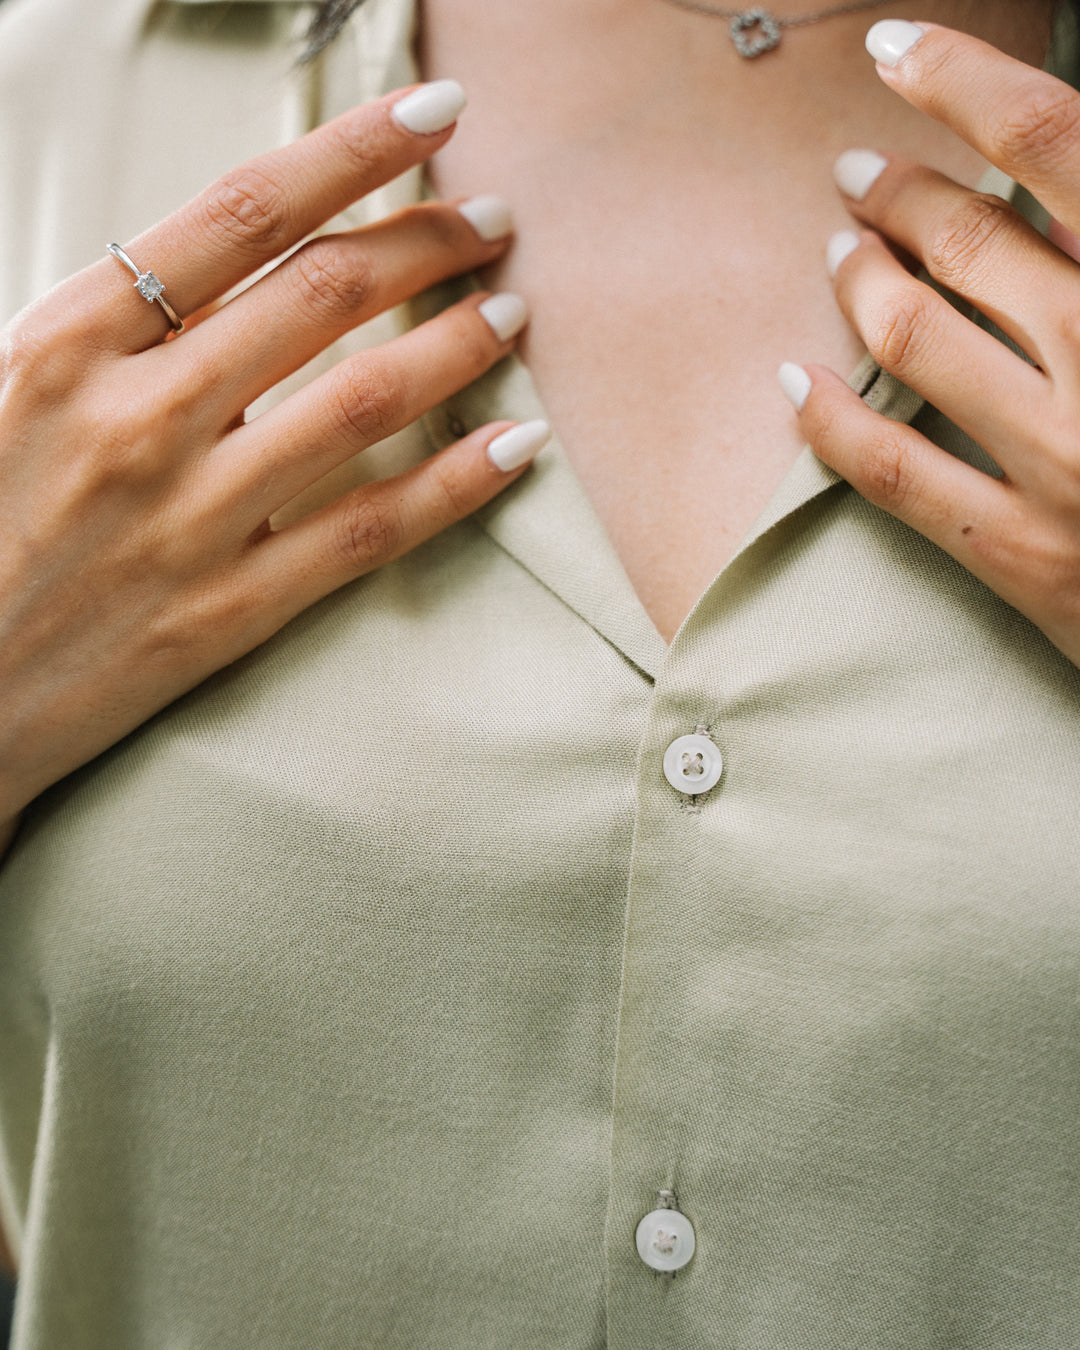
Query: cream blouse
(384, 992)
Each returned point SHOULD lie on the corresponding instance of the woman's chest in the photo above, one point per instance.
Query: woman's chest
(659, 318)
(655, 355)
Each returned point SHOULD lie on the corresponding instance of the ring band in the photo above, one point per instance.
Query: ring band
(149, 287)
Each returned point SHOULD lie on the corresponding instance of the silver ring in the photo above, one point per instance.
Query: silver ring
(149, 287)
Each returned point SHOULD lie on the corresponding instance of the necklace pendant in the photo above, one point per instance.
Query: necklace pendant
(753, 32)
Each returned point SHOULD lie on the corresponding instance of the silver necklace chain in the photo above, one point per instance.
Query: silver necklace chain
(754, 31)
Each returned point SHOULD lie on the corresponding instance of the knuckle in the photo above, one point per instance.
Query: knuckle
(366, 404)
(475, 342)
(454, 486)
(36, 334)
(1041, 122)
(1068, 326)
(249, 209)
(1055, 435)
(123, 442)
(333, 282)
(1065, 468)
(826, 422)
(887, 479)
(43, 355)
(366, 157)
(181, 411)
(1066, 329)
(1067, 595)
(195, 627)
(25, 358)
(940, 66)
(113, 445)
(440, 225)
(895, 339)
(370, 531)
(960, 249)
(1043, 559)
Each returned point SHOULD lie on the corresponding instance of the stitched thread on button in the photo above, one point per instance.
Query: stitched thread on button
(690, 765)
(694, 804)
(668, 1242)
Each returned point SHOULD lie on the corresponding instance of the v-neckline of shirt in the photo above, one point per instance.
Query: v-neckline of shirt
(547, 523)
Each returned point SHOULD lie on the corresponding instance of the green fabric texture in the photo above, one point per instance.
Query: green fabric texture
(367, 996)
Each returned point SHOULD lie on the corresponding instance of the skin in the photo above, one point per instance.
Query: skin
(136, 557)
(678, 476)
(1020, 534)
(671, 236)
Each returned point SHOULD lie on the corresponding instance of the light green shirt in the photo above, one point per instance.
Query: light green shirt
(368, 995)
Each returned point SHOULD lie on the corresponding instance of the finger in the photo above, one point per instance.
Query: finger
(916, 335)
(975, 245)
(327, 287)
(963, 511)
(1021, 119)
(361, 401)
(381, 521)
(258, 210)
(1064, 239)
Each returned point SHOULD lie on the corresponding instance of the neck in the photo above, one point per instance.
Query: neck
(673, 202)
(563, 89)
(616, 62)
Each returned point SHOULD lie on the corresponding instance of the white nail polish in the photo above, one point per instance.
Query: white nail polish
(840, 246)
(856, 172)
(889, 41)
(489, 216)
(795, 383)
(517, 446)
(506, 313)
(432, 107)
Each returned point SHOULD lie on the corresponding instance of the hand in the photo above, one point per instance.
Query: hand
(1020, 534)
(136, 557)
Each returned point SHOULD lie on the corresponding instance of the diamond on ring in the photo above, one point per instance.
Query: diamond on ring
(149, 286)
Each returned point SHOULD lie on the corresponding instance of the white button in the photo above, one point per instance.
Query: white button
(693, 764)
(665, 1239)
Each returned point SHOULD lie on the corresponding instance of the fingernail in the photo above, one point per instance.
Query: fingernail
(889, 41)
(840, 246)
(489, 216)
(432, 107)
(856, 172)
(795, 383)
(506, 313)
(517, 446)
